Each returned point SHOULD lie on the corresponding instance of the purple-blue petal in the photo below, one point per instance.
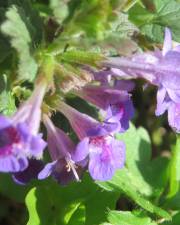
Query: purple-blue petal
(177, 48)
(168, 70)
(106, 155)
(163, 101)
(34, 143)
(82, 150)
(100, 170)
(167, 46)
(118, 154)
(24, 131)
(13, 163)
(47, 170)
(4, 122)
(127, 115)
(122, 112)
(124, 85)
(63, 177)
(174, 116)
(102, 129)
(31, 172)
(174, 95)
(37, 145)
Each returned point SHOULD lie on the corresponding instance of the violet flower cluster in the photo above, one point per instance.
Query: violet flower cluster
(22, 146)
(159, 68)
(98, 151)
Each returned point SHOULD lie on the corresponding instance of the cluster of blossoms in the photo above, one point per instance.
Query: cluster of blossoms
(22, 146)
(159, 68)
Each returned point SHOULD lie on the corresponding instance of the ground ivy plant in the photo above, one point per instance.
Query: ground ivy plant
(89, 112)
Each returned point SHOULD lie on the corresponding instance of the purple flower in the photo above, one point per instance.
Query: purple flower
(168, 95)
(60, 146)
(122, 112)
(19, 138)
(104, 153)
(160, 68)
(98, 149)
(84, 125)
(116, 105)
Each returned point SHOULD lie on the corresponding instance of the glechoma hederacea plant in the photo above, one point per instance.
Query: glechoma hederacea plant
(98, 150)
(69, 112)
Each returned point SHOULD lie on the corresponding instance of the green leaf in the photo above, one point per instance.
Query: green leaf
(7, 101)
(140, 16)
(175, 220)
(32, 20)
(20, 37)
(79, 215)
(154, 32)
(118, 36)
(105, 224)
(128, 218)
(122, 183)
(174, 170)
(60, 10)
(149, 177)
(5, 49)
(141, 177)
(173, 202)
(95, 15)
(70, 205)
(166, 14)
(31, 202)
(12, 190)
(121, 26)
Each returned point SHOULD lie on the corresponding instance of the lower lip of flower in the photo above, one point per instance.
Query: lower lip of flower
(177, 110)
(118, 109)
(101, 147)
(9, 137)
(97, 141)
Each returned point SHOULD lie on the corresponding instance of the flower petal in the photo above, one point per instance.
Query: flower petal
(31, 172)
(118, 154)
(63, 177)
(177, 48)
(82, 150)
(174, 95)
(162, 101)
(104, 128)
(4, 122)
(168, 70)
(127, 115)
(37, 145)
(167, 46)
(47, 170)
(100, 170)
(174, 116)
(13, 164)
(124, 85)
(106, 155)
